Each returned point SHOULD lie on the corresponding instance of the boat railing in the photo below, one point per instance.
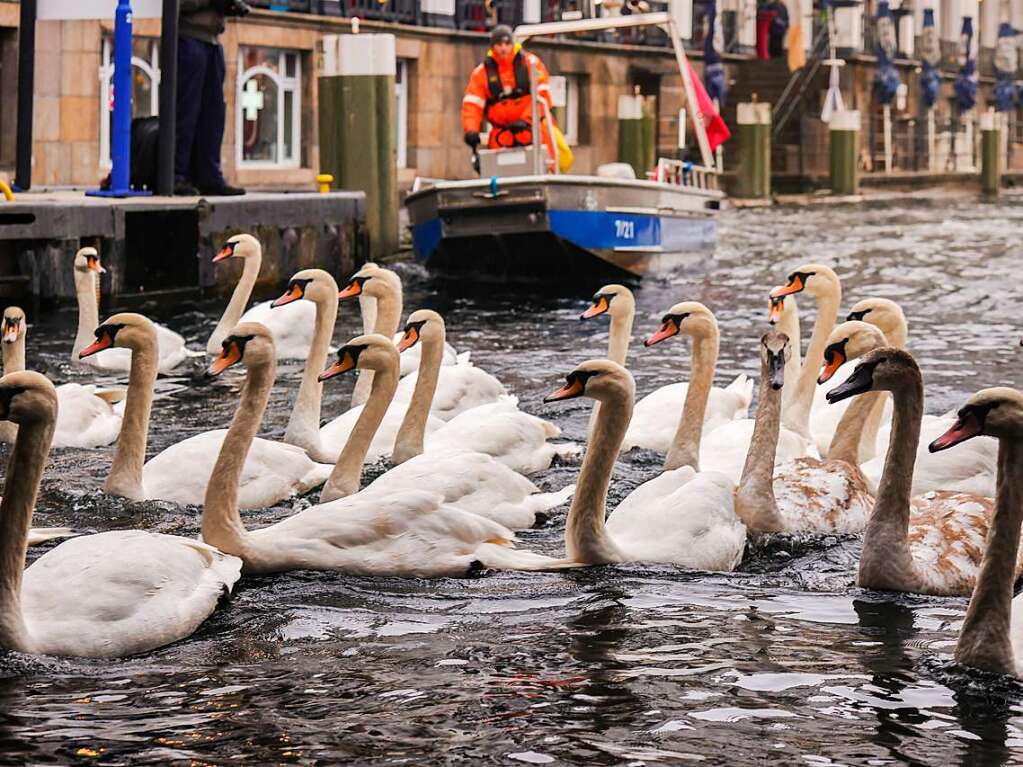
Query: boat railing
(685, 173)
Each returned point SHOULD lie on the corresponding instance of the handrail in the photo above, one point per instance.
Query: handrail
(802, 78)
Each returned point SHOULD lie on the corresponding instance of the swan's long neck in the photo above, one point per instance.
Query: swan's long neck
(236, 306)
(14, 355)
(388, 315)
(886, 561)
(222, 525)
(685, 447)
(859, 423)
(797, 414)
(347, 474)
(125, 478)
(985, 640)
(586, 538)
(304, 424)
(24, 473)
(619, 336)
(88, 311)
(755, 504)
(789, 325)
(408, 443)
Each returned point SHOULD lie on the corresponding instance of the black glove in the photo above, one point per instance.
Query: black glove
(518, 126)
(472, 138)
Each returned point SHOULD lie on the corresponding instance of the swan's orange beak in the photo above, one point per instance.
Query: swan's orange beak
(600, 305)
(668, 329)
(95, 265)
(834, 358)
(230, 355)
(225, 252)
(967, 426)
(795, 286)
(351, 290)
(410, 339)
(345, 363)
(103, 341)
(573, 388)
(11, 331)
(294, 293)
(777, 306)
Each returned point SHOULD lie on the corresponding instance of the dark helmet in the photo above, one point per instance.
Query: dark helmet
(502, 33)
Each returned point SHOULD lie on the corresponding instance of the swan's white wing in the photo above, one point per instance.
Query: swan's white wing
(121, 593)
(292, 326)
(815, 496)
(459, 388)
(655, 417)
(84, 419)
(472, 482)
(272, 472)
(37, 535)
(1016, 633)
(500, 429)
(334, 434)
(682, 518)
(408, 533)
(724, 449)
(172, 348)
(969, 468)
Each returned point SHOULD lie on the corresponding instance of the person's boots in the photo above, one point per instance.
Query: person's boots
(221, 190)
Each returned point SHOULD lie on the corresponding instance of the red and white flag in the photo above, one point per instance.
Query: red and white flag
(713, 124)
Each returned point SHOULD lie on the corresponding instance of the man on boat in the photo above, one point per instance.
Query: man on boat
(499, 90)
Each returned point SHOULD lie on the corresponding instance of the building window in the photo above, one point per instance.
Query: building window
(145, 87)
(401, 82)
(268, 109)
(565, 95)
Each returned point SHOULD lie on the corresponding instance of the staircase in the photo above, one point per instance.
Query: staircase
(766, 80)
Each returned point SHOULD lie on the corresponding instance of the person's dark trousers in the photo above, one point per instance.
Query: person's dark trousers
(200, 118)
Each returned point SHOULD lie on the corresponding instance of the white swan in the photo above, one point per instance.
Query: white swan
(466, 479)
(107, 595)
(992, 634)
(649, 428)
(498, 429)
(971, 469)
(86, 417)
(87, 270)
(722, 448)
(292, 326)
(273, 471)
(406, 533)
(930, 544)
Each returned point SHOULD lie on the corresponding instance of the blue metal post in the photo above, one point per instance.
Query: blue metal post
(120, 132)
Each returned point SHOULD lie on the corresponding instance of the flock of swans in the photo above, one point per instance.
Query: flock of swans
(939, 500)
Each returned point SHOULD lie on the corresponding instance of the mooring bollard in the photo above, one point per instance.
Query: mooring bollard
(844, 135)
(357, 136)
(323, 182)
(990, 172)
(754, 177)
(635, 135)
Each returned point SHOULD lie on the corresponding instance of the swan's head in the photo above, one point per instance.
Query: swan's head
(882, 313)
(616, 300)
(313, 284)
(690, 318)
(816, 279)
(373, 281)
(26, 397)
(996, 412)
(126, 330)
(849, 341)
(250, 343)
(13, 324)
(370, 352)
(422, 324)
(598, 379)
(241, 245)
(884, 369)
(774, 353)
(87, 260)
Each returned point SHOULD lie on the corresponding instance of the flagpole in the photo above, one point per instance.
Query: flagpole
(692, 104)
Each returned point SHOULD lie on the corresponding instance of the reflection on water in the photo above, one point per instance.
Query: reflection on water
(783, 661)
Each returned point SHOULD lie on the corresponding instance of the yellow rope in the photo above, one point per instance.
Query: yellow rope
(6, 189)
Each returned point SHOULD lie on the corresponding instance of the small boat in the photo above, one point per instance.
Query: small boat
(518, 223)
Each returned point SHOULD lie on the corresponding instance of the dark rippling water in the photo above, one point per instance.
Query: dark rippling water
(783, 662)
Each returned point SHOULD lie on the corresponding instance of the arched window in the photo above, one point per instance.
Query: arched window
(145, 87)
(268, 109)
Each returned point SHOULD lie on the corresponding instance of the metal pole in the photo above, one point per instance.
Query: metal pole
(120, 154)
(168, 97)
(535, 117)
(26, 92)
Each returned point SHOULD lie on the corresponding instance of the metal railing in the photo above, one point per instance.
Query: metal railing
(799, 82)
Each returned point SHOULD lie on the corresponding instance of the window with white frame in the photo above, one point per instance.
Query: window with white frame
(145, 87)
(268, 108)
(401, 87)
(565, 95)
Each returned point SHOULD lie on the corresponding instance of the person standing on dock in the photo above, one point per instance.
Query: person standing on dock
(499, 90)
(200, 97)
